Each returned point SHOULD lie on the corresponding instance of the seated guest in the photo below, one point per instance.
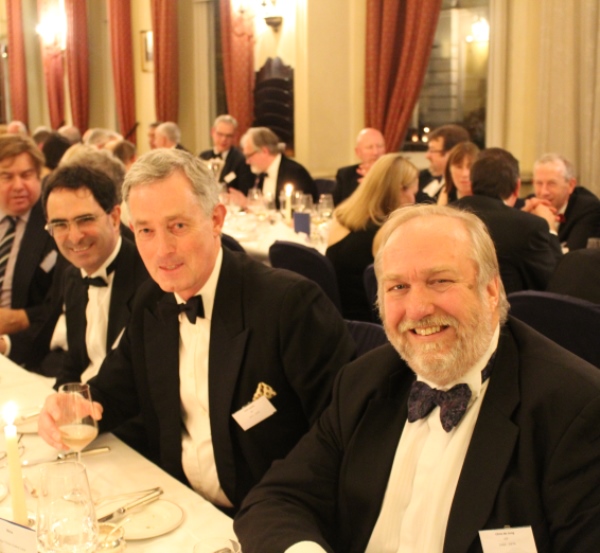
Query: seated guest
(370, 146)
(97, 290)
(124, 151)
(168, 135)
(440, 142)
(391, 182)
(243, 333)
(457, 175)
(71, 133)
(467, 422)
(273, 169)
(576, 209)
(527, 250)
(234, 171)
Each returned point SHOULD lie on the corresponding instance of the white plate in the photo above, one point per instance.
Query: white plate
(147, 521)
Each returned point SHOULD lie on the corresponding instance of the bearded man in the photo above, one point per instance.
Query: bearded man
(469, 432)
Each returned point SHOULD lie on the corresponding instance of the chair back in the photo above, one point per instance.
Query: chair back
(370, 282)
(231, 243)
(309, 263)
(325, 186)
(577, 275)
(366, 336)
(570, 322)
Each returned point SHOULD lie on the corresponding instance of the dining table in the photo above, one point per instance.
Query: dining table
(177, 521)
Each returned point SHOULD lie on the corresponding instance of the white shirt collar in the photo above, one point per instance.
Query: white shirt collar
(101, 272)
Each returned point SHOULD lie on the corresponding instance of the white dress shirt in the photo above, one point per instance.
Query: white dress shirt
(198, 457)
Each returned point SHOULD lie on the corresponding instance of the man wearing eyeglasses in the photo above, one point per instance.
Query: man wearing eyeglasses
(441, 141)
(28, 254)
(83, 213)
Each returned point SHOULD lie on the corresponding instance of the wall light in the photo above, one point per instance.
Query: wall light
(271, 18)
(480, 31)
(53, 29)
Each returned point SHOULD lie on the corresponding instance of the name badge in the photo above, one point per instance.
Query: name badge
(16, 539)
(508, 540)
(49, 261)
(229, 177)
(253, 413)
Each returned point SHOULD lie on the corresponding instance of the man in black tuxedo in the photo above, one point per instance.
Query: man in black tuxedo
(514, 444)
(168, 135)
(527, 251)
(97, 290)
(440, 141)
(576, 209)
(26, 274)
(273, 169)
(370, 146)
(231, 164)
(230, 380)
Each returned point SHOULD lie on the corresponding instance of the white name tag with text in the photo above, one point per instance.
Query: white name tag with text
(254, 412)
(229, 177)
(16, 539)
(508, 540)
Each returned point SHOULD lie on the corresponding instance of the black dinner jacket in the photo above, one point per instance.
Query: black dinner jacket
(291, 171)
(346, 182)
(268, 326)
(35, 264)
(533, 459)
(235, 163)
(527, 251)
(582, 219)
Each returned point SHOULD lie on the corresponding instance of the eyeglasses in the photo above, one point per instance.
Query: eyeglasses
(60, 228)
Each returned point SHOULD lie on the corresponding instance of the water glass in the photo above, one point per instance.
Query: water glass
(325, 207)
(66, 518)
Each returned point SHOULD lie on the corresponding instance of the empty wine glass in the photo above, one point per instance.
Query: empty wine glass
(77, 426)
(66, 518)
(325, 206)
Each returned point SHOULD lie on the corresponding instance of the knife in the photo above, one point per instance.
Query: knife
(148, 498)
(63, 456)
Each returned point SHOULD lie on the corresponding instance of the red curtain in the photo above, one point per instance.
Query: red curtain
(166, 59)
(119, 21)
(237, 41)
(400, 35)
(52, 59)
(16, 62)
(77, 62)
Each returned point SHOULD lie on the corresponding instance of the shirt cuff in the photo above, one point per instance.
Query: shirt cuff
(7, 342)
(305, 547)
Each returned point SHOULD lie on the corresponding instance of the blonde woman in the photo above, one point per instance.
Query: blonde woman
(391, 182)
(457, 175)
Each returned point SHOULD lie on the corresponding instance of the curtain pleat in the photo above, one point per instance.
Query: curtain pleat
(17, 68)
(77, 62)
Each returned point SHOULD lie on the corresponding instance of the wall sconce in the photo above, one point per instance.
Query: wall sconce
(480, 31)
(53, 29)
(271, 19)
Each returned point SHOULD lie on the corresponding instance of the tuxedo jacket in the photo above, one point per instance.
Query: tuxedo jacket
(582, 219)
(268, 326)
(235, 172)
(291, 171)
(533, 459)
(35, 264)
(425, 177)
(346, 182)
(527, 251)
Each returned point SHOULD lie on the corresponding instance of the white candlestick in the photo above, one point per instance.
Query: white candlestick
(289, 190)
(17, 488)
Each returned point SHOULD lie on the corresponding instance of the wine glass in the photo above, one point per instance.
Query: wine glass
(325, 207)
(66, 518)
(77, 426)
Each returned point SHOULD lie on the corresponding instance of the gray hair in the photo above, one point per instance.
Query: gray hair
(161, 163)
(71, 133)
(170, 131)
(226, 118)
(99, 137)
(569, 168)
(262, 137)
(483, 252)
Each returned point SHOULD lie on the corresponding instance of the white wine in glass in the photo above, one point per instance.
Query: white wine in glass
(77, 426)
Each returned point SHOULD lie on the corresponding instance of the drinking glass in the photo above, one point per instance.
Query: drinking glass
(325, 207)
(77, 426)
(66, 518)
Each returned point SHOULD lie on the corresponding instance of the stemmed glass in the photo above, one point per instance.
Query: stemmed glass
(325, 207)
(77, 426)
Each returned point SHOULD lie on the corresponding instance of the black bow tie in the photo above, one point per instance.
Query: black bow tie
(94, 281)
(192, 308)
(217, 156)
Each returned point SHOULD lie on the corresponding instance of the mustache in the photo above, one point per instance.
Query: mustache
(433, 320)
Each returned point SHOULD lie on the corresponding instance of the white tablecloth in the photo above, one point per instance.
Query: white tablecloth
(120, 471)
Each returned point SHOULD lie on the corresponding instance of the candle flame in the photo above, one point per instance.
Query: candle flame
(289, 188)
(9, 412)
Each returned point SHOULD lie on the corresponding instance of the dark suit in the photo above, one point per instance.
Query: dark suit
(267, 326)
(34, 267)
(577, 274)
(425, 177)
(582, 219)
(235, 165)
(533, 459)
(291, 171)
(527, 251)
(346, 182)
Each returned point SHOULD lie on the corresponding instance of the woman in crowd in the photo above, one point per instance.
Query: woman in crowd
(391, 182)
(457, 175)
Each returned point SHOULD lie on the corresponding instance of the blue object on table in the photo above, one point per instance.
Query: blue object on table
(302, 223)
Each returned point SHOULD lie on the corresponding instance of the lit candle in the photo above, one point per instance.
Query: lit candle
(17, 489)
(289, 190)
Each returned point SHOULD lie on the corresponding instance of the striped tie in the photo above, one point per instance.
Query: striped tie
(6, 245)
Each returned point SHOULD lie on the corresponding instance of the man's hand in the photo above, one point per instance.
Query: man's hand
(13, 320)
(363, 169)
(50, 417)
(543, 209)
(237, 197)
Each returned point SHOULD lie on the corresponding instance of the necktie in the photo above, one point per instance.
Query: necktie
(193, 308)
(452, 403)
(260, 179)
(6, 246)
(98, 280)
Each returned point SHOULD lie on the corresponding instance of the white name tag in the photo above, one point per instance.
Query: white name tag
(254, 412)
(229, 177)
(49, 261)
(16, 539)
(508, 540)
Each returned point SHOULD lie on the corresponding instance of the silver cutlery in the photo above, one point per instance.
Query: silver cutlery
(63, 456)
(145, 499)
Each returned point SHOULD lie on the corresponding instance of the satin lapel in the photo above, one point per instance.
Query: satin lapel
(76, 299)
(123, 289)
(489, 453)
(228, 339)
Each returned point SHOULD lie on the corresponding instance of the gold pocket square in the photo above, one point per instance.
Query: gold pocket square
(263, 390)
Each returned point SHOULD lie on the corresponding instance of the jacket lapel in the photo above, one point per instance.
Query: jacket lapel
(123, 289)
